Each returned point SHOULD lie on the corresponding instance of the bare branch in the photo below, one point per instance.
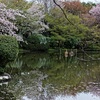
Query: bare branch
(62, 11)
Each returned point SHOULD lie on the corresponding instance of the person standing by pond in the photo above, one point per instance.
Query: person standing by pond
(71, 53)
(66, 53)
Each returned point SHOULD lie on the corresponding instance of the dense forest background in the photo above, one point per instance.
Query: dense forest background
(48, 24)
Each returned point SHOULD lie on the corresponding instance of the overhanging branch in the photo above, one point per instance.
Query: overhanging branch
(62, 11)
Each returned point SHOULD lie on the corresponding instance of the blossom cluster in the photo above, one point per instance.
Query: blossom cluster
(7, 19)
(38, 13)
(95, 11)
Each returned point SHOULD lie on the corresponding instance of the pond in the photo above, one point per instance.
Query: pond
(42, 76)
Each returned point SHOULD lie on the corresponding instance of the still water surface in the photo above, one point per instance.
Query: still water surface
(41, 76)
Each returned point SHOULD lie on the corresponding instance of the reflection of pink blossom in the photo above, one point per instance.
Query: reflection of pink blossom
(7, 16)
(95, 11)
(94, 88)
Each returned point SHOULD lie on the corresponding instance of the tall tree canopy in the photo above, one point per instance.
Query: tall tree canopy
(17, 4)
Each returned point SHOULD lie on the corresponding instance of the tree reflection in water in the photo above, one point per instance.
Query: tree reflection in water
(46, 77)
(4, 94)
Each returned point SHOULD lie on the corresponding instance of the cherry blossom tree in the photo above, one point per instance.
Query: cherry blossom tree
(37, 12)
(48, 4)
(95, 11)
(7, 19)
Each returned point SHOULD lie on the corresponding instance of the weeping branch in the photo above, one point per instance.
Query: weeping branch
(87, 54)
(85, 60)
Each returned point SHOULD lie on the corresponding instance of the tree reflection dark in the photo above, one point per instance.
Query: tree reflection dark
(46, 77)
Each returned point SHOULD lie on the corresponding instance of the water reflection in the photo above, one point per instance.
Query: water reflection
(4, 94)
(80, 96)
(46, 77)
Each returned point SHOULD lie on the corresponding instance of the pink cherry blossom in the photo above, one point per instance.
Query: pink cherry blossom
(95, 11)
(7, 18)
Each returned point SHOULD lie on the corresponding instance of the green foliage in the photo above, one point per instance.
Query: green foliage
(8, 48)
(62, 30)
(17, 4)
(26, 26)
(17, 64)
(36, 42)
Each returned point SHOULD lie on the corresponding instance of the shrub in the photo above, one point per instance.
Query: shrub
(8, 48)
(36, 42)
